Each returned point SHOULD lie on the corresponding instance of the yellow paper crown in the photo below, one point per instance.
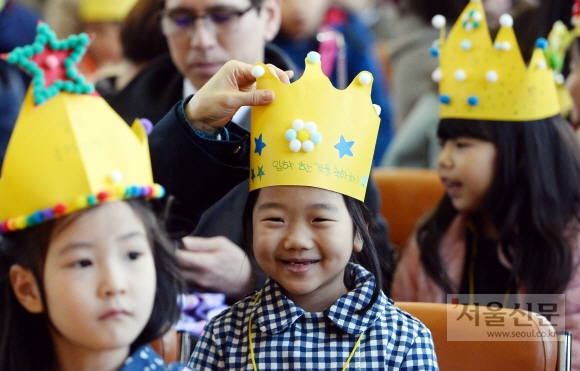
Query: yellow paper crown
(105, 10)
(72, 150)
(313, 134)
(482, 80)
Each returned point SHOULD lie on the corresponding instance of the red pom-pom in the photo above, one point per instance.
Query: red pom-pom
(59, 209)
(102, 196)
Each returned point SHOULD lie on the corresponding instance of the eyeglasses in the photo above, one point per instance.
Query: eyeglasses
(180, 21)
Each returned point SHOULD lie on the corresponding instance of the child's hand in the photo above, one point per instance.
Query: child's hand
(232, 87)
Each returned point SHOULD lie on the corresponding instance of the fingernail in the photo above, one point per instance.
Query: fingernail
(268, 95)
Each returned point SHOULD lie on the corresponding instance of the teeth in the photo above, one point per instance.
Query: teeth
(304, 263)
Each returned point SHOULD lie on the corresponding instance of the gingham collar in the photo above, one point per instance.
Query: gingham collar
(274, 312)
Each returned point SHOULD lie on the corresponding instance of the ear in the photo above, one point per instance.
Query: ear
(272, 12)
(358, 243)
(26, 289)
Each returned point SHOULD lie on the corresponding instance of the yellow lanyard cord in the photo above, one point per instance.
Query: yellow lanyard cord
(250, 333)
(252, 347)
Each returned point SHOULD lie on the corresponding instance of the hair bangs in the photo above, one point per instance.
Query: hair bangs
(456, 128)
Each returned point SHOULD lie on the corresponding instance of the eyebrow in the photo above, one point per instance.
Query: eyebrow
(316, 206)
(87, 245)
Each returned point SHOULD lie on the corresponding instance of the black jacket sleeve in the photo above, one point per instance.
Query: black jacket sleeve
(196, 172)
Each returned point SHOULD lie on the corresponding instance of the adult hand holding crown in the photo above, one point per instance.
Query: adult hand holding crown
(232, 87)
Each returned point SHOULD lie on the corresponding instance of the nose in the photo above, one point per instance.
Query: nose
(298, 237)
(444, 160)
(202, 35)
(112, 280)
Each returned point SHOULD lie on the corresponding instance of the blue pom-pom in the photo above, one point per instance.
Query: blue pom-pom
(473, 100)
(38, 217)
(445, 99)
(434, 51)
(542, 43)
(316, 138)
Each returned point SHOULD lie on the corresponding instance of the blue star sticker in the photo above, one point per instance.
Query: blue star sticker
(344, 147)
(365, 179)
(259, 145)
(253, 176)
(261, 172)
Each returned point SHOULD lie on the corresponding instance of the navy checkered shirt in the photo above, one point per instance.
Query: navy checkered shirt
(285, 337)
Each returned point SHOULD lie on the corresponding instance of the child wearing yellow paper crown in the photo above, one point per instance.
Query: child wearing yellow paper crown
(308, 229)
(509, 221)
(87, 277)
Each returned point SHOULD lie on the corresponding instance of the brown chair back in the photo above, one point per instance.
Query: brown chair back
(167, 346)
(532, 354)
(406, 194)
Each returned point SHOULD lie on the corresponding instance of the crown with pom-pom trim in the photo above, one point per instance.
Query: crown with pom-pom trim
(71, 151)
(482, 80)
(314, 134)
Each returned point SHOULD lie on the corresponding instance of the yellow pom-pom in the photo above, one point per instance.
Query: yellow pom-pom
(81, 202)
(303, 135)
(20, 222)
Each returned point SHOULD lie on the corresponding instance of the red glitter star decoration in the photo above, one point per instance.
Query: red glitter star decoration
(52, 63)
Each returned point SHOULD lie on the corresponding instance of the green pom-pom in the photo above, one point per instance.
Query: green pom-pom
(70, 72)
(38, 81)
(42, 28)
(27, 52)
(68, 86)
(42, 39)
(88, 88)
(68, 63)
(84, 39)
(12, 58)
(78, 89)
(39, 97)
(57, 84)
(37, 47)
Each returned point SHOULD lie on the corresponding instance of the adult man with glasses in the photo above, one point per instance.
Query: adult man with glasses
(202, 35)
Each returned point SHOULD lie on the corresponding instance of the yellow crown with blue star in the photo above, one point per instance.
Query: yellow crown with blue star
(69, 149)
(485, 80)
(314, 134)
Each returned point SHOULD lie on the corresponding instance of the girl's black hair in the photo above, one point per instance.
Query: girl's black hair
(363, 226)
(533, 201)
(25, 343)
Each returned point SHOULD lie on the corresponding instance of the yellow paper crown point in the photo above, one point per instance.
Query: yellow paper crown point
(70, 151)
(105, 10)
(482, 80)
(314, 134)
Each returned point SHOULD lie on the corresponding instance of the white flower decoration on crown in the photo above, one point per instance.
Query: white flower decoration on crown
(303, 136)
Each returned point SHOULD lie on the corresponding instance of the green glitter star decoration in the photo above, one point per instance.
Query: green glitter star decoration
(52, 63)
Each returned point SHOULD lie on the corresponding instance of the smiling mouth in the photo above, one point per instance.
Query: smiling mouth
(300, 263)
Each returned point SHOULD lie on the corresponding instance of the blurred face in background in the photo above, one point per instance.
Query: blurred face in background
(202, 35)
(302, 18)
